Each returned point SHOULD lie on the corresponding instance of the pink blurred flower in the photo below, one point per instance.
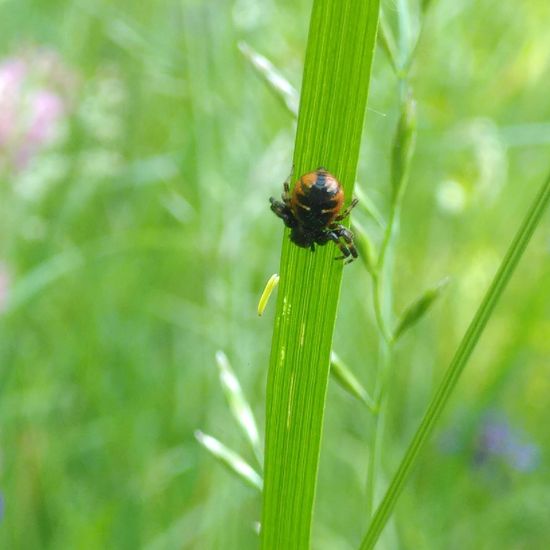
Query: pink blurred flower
(46, 109)
(12, 74)
(35, 98)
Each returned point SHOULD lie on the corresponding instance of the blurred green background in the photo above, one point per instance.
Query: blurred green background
(138, 149)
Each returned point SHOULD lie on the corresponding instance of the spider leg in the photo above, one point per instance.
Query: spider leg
(346, 212)
(283, 209)
(345, 253)
(349, 252)
(286, 187)
(284, 212)
(332, 235)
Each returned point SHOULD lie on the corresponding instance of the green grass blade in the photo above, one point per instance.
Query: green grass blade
(36, 280)
(230, 459)
(458, 363)
(238, 404)
(416, 311)
(367, 204)
(330, 122)
(349, 382)
(273, 78)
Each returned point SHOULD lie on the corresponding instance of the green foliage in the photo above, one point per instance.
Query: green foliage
(238, 404)
(234, 462)
(273, 78)
(330, 122)
(403, 147)
(366, 249)
(460, 359)
(345, 377)
(418, 308)
(137, 241)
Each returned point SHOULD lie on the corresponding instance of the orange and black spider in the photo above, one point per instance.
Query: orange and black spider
(312, 213)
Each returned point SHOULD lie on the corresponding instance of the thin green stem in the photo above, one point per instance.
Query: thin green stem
(383, 282)
(380, 277)
(458, 363)
(380, 400)
(377, 291)
(405, 30)
(382, 301)
(388, 234)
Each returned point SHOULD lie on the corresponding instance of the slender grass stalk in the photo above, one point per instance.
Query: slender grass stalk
(382, 284)
(330, 122)
(462, 355)
(382, 274)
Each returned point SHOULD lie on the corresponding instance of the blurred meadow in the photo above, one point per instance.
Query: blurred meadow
(138, 150)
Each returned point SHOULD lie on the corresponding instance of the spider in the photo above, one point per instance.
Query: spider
(311, 211)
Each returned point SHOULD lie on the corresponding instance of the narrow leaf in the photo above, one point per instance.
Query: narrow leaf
(403, 148)
(365, 202)
(238, 404)
(331, 119)
(419, 308)
(343, 375)
(230, 459)
(274, 79)
(37, 279)
(387, 41)
(266, 294)
(366, 249)
(459, 361)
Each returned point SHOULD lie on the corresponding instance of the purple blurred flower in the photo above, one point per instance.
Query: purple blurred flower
(523, 457)
(495, 443)
(494, 435)
(497, 440)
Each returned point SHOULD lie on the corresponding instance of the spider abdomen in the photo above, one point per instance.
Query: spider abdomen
(312, 212)
(316, 199)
